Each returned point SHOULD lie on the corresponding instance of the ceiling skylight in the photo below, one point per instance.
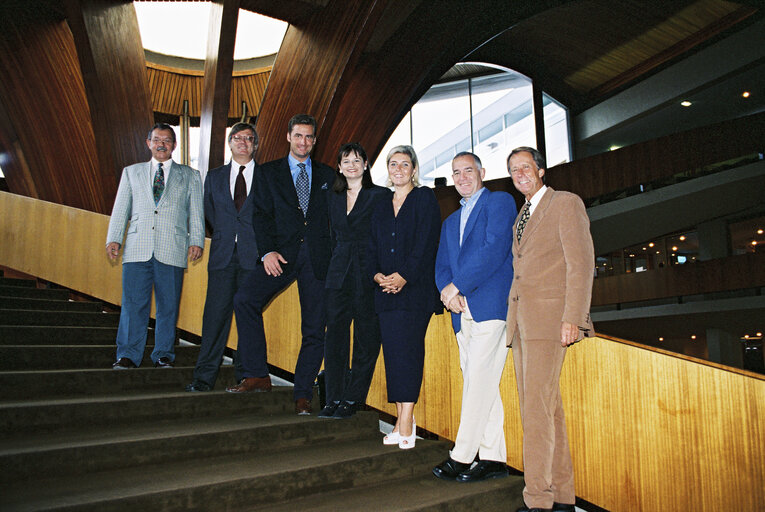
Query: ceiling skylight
(180, 29)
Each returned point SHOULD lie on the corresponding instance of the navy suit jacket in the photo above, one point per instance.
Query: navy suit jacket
(482, 268)
(406, 243)
(279, 222)
(350, 233)
(227, 223)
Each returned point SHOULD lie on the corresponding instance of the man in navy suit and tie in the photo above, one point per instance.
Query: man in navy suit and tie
(229, 207)
(474, 269)
(292, 230)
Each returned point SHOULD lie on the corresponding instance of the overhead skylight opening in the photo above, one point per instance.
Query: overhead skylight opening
(180, 29)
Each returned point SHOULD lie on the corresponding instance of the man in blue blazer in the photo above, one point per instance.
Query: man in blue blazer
(163, 202)
(474, 269)
(229, 207)
(292, 230)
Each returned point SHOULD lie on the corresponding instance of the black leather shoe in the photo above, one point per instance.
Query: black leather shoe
(563, 507)
(483, 470)
(163, 362)
(329, 410)
(123, 364)
(450, 469)
(345, 410)
(198, 386)
(535, 509)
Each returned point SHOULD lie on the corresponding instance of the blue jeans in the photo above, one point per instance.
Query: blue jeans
(138, 278)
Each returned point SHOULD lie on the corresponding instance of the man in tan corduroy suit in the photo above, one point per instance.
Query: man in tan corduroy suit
(548, 310)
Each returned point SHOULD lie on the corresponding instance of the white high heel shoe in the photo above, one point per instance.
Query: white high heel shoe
(407, 442)
(392, 438)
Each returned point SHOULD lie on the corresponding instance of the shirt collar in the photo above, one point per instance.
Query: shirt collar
(470, 202)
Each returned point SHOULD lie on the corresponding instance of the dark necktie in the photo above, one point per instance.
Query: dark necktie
(240, 189)
(524, 219)
(301, 187)
(159, 184)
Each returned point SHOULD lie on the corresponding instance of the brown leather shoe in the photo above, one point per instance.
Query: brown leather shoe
(251, 384)
(303, 407)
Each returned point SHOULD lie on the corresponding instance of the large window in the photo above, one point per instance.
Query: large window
(489, 115)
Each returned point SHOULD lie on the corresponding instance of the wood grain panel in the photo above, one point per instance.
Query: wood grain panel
(731, 273)
(649, 430)
(116, 88)
(52, 150)
(216, 93)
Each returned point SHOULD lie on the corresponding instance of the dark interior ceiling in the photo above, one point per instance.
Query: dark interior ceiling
(580, 51)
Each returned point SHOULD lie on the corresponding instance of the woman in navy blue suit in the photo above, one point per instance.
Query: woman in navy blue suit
(402, 254)
(349, 292)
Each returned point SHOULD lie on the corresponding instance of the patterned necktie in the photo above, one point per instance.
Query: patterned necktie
(159, 184)
(240, 189)
(524, 219)
(301, 187)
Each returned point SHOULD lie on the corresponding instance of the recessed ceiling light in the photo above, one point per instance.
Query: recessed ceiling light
(745, 94)
(759, 334)
(754, 242)
(661, 338)
(759, 231)
(651, 244)
(686, 103)
(682, 238)
(674, 247)
(614, 148)
(693, 336)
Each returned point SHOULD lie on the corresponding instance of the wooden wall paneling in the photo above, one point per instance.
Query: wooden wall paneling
(17, 173)
(219, 66)
(53, 153)
(308, 67)
(649, 430)
(113, 67)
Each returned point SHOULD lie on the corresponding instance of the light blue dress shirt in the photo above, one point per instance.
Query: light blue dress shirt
(467, 207)
(295, 170)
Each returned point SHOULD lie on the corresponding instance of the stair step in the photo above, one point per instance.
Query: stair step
(50, 384)
(419, 493)
(14, 281)
(48, 304)
(27, 291)
(88, 451)
(42, 416)
(230, 482)
(58, 357)
(60, 335)
(45, 335)
(32, 317)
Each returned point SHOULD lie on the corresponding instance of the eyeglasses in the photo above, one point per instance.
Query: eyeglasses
(166, 140)
(243, 138)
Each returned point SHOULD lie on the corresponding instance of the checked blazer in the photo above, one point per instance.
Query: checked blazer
(165, 230)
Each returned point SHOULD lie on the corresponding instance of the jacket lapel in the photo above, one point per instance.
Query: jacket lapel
(473, 216)
(539, 212)
(145, 183)
(223, 188)
(176, 177)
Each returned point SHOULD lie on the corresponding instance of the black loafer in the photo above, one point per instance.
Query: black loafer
(450, 469)
(535, 509)
(163, 362)
(123, 363)
(345, 410)
(483, 470)
(198, 387)
(329, 410)
(563, 507)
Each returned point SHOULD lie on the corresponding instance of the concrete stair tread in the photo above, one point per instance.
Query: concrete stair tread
(46, 304)
(417, 493)
(158, 430)
(256, 469)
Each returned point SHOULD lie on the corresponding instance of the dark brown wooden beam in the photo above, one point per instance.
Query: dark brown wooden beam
(113, 70)
(219, 66)
(49, 146)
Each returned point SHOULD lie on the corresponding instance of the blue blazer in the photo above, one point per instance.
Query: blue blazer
(226, 223)
(482, 268)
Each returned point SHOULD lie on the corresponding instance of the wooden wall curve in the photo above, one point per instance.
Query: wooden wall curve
(649, 430)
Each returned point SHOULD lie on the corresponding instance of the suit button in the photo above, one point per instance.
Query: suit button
(155, 212)
(393, 250)
(393, 234)
(305, 223)
(301, 240)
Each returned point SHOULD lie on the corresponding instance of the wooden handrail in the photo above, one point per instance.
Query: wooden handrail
(649, 430)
